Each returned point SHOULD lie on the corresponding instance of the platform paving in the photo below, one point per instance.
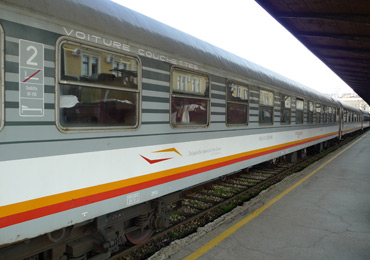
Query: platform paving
(327, 216)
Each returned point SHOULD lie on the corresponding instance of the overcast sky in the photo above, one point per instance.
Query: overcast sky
(245, 29)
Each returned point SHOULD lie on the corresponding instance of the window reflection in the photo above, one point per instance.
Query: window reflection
(266, 107)
(299, 111)
(189, 111)
(286, 110)
(93, 66)
(237, 104)
(88, 106)
(97, 88)
(189, 99)
(237, 113)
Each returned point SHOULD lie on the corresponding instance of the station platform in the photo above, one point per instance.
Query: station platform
(322, 212)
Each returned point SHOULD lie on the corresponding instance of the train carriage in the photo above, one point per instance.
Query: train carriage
(107, 115)
(351, 119)
(365, 118)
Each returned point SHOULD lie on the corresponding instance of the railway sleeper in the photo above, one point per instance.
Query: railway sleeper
(249, 181)
(202, 199)
(268, 171)
(235, 188)
(264, 175)
(239, 183)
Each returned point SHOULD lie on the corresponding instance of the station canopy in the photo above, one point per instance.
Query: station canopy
(336, 31)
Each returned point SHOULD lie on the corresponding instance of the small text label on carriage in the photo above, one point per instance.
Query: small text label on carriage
(133, 198)
(31, 79)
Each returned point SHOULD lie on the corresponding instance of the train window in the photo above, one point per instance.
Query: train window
(310, 112)
(330, 111)
(299, 111)
(286, 104)
(266, 107)
(189, 98)
(95, 93)
(324, 114)
(237, 104)
(1, 78)
(318, 113)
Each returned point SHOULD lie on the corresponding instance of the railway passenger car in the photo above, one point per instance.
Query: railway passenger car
(351, 119)
(107, 115)
(365, 119)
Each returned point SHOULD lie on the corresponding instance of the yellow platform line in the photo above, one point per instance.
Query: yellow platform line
(204, 249)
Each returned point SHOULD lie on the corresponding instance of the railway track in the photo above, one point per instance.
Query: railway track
(209, 201)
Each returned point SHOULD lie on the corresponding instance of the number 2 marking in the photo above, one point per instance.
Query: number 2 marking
(35, 52)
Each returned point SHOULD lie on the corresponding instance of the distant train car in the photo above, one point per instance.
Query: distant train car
(351, 119)
(106, 116)
(365, 119)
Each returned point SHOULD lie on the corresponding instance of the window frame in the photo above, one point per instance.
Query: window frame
(241, 102)
(184, 94)
(272, 107)
(2, 75)
(284, 108)
(59, 81)
(301, 111)
(90, 56)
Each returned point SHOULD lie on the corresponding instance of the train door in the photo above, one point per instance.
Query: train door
(340, 122)
(2, 95)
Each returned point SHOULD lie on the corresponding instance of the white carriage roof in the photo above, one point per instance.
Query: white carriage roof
(349, 107)
(114, 19)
